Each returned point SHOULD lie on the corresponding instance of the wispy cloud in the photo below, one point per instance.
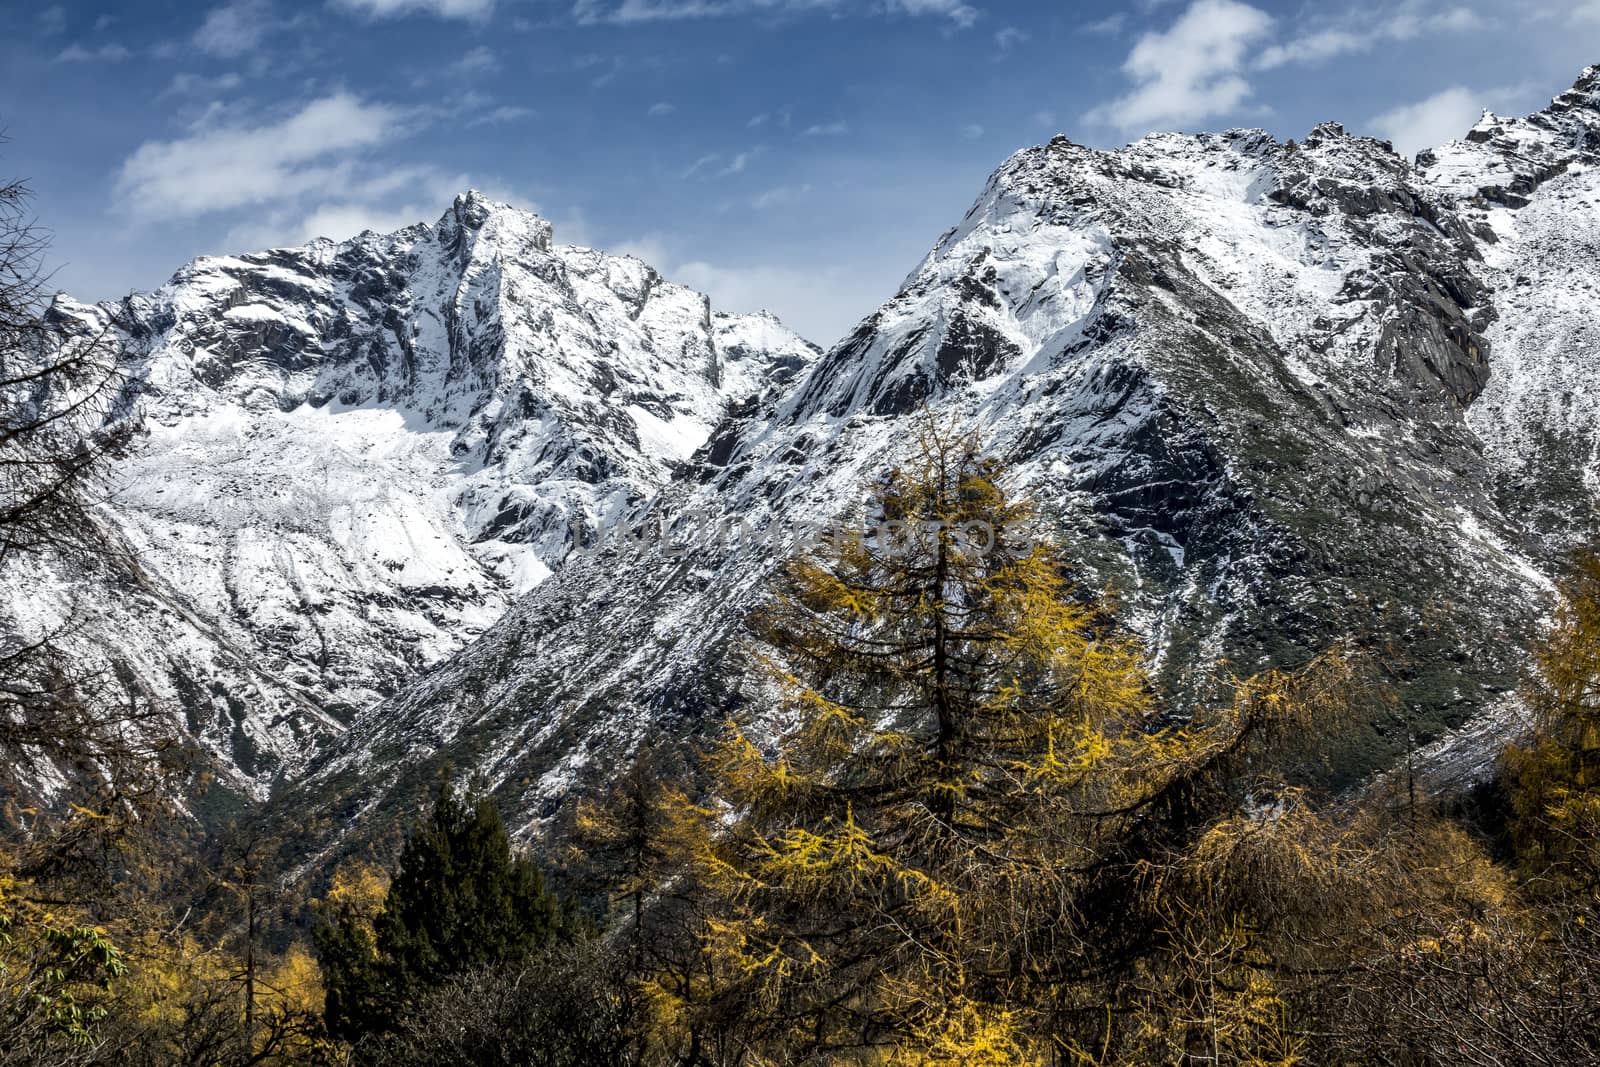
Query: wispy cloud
(784, 116)
(739, 162)
(474, 10)
(1199, 68)
(956, 11)
(278, 178)
(827, 129)
(972, 131)
(106, 53)
(235, 28)
(221, 167)
(1361, 31)
(613, 68)
(783, 194)
(626, 12)
(1191, 71)
(495, 116)
(717, 164)
(701, 165)
(661, 107)
(1110, 25)
(198, 85)
(480, 60)
(1008, 37)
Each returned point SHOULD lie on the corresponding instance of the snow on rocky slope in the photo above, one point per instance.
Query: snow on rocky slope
(1530, 188)
(352, 456)
(1277, 393)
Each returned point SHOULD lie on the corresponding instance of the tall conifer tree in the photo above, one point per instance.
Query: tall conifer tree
(459, 900)
(945, 857)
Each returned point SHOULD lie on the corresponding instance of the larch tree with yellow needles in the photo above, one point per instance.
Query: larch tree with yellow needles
(1556, 777)
(944, 858)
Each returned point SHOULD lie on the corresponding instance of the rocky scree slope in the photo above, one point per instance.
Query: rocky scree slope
(352, 456)
(1277, 394)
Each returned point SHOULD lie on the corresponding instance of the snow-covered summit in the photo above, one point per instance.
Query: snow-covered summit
(1529, 189)
(1506, 159)
(353, 454)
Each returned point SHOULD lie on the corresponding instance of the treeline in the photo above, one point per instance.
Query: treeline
(960, 826)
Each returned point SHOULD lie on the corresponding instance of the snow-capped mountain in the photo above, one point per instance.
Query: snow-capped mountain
(1278, 394)
(1530, 190)
(352, 456)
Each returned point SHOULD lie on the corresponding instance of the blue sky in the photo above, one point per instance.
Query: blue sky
(798, 155)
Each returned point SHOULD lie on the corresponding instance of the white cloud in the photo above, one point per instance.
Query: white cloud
(1191, 71)
(389, 201)
(661, 107)
(1459, 20)
(960, 13)
(1111, 25)
(198, 85)
(1440, 118)
(1311, 47)
(972, 131)
(826, 129)
(479, 60)
(476, 10)
(783, 194)
(234, 29)
(223, 167)
(1448, 114)
(637, 11)
(761, 120)
(817, 303)
(1045, 118)
(738, 163)
(700, 164)
(708, 163)
(814, 302)
(497, 115)
(1008, 37)
(341, 221)
(106, 53)
(1362, 31)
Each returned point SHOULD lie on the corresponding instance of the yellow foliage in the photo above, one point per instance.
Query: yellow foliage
(1556, 777)
(293, 984)
(983, 841)
(960, 1032)
(358, 886)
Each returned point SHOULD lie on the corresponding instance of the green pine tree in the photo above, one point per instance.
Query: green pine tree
(459, 900)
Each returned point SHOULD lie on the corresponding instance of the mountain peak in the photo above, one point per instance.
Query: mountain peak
(1588, 84)
(1504, 159)
(472, 210)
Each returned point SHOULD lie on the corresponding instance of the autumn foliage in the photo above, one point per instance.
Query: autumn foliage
(954, 822)
(978, 835)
